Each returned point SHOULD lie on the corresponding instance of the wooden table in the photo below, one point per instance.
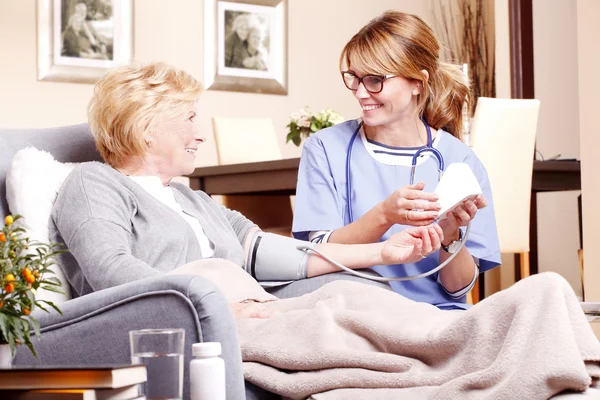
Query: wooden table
(280, 176)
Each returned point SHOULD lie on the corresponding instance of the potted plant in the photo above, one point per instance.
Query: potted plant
(24, 269)
(304, 123)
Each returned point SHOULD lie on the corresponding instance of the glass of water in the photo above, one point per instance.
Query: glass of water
(161, 351)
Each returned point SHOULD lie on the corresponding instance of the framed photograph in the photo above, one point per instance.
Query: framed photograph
(245, 45)
(79, 40)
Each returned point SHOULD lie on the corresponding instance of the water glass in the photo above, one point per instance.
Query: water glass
(161, 351)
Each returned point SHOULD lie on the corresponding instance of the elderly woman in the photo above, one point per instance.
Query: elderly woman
(126, 220)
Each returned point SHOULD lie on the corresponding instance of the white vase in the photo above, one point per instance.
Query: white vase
(5, 356)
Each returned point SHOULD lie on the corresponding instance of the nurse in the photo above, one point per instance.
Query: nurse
(353, 182)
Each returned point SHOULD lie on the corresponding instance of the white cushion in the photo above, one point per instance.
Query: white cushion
(32, 183)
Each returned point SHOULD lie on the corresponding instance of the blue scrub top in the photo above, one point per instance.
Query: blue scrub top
(321, 201)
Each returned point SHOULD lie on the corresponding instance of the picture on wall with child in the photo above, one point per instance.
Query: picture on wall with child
(86, 30)
(246, 40)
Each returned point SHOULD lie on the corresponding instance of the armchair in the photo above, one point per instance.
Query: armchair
(94, 328)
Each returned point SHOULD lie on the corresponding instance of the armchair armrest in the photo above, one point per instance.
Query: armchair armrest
(94, 328)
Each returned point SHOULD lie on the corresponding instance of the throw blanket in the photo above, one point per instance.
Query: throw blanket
(348, 341)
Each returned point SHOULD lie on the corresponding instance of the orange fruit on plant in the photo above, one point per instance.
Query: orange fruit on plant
(9, 220)
(26, 311)
(26, 271)
(29, 278)
(9, 278)
(9, 288)
(2, 237)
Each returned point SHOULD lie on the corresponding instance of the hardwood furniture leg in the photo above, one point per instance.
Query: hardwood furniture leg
(524, 265)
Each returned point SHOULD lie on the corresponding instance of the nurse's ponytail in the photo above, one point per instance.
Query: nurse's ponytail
(446, 95)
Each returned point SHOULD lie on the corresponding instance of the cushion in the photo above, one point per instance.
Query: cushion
(32, 184)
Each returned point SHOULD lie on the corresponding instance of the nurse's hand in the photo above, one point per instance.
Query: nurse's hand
(461, 216)
(410, 205)
(412, 244)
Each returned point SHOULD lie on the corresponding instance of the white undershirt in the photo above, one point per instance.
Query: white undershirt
(164, 194)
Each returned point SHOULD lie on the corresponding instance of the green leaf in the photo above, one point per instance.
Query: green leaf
(297, 140)
(35, 325)
(52, 280)
(4, 326)
(51, 304)
(16, 326)
(11, 342)
(52, 289)
(30, 296)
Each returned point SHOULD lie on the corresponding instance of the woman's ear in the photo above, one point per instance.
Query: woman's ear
(419, 87)
(147, 139)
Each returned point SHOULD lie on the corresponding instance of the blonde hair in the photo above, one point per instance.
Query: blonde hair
(129, 101)
(250, 19)
(402, 44)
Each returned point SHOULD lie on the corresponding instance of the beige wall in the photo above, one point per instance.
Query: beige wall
(172, 31)
(556, 86)
(588, 31)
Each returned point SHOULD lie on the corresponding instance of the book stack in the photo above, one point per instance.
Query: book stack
(97, 382)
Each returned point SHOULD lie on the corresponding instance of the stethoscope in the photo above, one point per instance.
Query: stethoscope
(440, 161)
(415, 158)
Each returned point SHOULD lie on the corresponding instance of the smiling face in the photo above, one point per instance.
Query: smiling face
(397, 100)
(80, 11)
(242, 27)
(173, 143)
(255, 38)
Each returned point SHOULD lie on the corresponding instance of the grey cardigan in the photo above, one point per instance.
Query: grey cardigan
(116, 232)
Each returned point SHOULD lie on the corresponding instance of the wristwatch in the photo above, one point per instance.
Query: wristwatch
(454, 245)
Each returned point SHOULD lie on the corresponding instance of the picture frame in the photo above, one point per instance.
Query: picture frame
(245, 46)
(80, 40)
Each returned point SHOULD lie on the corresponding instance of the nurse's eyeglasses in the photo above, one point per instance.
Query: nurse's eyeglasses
(372, 83)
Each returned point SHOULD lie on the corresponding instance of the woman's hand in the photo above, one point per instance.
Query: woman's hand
(410, 205)
(412, 244)
(252, 309)
(461, 216)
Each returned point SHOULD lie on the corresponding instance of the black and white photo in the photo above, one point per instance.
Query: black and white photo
(79, 40)
(87, 29)
(246, 45)
(246, 40)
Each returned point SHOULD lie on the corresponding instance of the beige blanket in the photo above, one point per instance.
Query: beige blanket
(353, 341)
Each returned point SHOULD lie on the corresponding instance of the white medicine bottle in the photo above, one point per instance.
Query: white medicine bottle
(207, 372)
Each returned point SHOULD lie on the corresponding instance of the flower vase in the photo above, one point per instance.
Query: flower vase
(5, 356)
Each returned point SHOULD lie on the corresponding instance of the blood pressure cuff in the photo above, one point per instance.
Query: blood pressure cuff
(276, 258)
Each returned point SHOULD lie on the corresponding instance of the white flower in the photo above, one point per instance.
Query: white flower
(304, 121)
(330, 116)
(301, 121)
